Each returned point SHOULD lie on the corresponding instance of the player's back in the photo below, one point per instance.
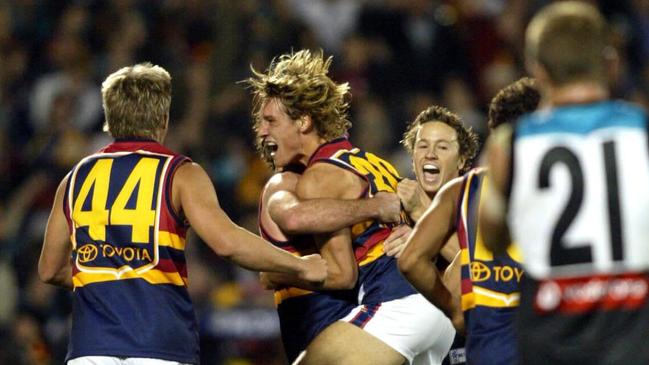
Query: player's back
(490, 282)
(578, 209)
(379, 278)
(128, 262)
(303, 314)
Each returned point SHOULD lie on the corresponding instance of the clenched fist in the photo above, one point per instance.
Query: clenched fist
(314, 269)
(388, 207)
(413, 198)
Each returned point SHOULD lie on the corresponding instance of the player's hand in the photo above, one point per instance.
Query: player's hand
(413, 197)
(266, 282)
(396, 241)
(388, 207)
(314, 269)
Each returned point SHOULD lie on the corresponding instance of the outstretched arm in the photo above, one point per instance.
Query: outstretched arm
(430, 234)
(197, 199)
(493, 211)
(54, 265)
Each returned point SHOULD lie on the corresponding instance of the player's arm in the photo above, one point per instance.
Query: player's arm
(327, 181)
(395, 243)
(54, 265)
(493, 210)
(429, 235)
(295, 216)
(450, 249)
(197, 198)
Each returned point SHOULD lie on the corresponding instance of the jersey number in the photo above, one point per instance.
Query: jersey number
(141, 181)
(383, 174)
(560, 253)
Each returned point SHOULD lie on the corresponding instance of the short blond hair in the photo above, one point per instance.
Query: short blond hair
(136, 101)
(568, 39)
(301, 83)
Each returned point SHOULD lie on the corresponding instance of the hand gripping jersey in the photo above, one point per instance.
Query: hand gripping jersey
(378, 277)
(303, 314)
(490, 283)
(579, 206)
(128, 261)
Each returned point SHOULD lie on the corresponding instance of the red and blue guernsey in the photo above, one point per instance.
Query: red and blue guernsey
(490, 283)
(378, 277)
(303, 314)
(128, 260)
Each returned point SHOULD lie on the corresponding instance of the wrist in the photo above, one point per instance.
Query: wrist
(301, 267)
(369, 208)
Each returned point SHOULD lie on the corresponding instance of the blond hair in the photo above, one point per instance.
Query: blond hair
(568, 39)
(136, 101)
(301, 83)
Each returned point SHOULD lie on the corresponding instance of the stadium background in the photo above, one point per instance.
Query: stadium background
(398, 55)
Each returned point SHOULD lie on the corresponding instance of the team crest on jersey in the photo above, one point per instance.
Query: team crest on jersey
(87, 253)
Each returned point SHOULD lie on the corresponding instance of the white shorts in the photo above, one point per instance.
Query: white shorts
(411, 325)
(111, 360)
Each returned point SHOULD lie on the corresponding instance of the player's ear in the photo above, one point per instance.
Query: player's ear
(537, 71)
(461, 162)
(305, 123)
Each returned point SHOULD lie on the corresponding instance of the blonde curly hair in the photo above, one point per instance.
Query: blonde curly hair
(301, 83)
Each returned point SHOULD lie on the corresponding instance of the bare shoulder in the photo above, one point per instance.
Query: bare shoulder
(189, 183)
(60, 194)
(281, 181)
(189, 170)
(325, 180)
(63, 184)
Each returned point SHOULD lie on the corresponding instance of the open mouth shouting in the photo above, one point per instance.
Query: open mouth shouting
(430, 172)
(270, 147)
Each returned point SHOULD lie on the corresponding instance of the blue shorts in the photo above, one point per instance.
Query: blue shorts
(302, 318)
(380, 281)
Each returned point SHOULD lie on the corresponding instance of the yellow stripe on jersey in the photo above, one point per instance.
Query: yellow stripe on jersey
(283, 294)
(152, 276)
(489, 298)
(467, 301)
(465, 259)
(358, 228)
(172, 240)
(515, 252)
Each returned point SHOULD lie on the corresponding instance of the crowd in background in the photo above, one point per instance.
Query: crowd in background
(399, 57)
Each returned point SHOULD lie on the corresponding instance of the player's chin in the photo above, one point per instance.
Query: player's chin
(431, 188)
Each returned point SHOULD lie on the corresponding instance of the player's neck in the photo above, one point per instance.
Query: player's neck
(580, 92)
(309, 146)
